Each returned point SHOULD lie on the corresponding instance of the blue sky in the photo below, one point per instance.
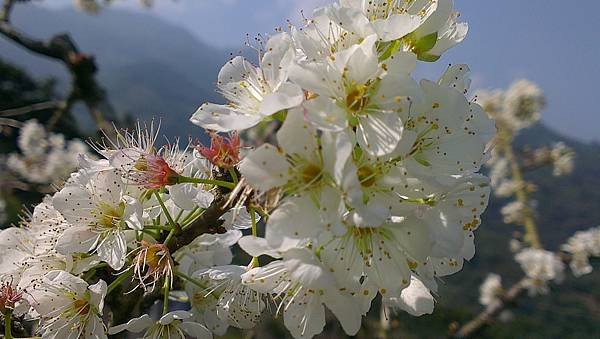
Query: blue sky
(553, 43)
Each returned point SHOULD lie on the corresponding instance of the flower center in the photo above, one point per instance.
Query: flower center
(108, 216)
(311, 173)
(81, 307)
(357, 98)
(366, 175)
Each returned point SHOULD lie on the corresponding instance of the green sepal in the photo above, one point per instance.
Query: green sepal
(428, 57)
(424, 44)
(391, 49)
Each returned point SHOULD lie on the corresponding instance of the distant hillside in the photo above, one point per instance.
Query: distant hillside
(150, 68)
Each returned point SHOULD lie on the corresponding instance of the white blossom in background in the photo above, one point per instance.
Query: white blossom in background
(513, 212)
(507, 188)
(490, 289)
(540, 267)
(562, 159)
(516, 108)
(583, 245)
(44, 158)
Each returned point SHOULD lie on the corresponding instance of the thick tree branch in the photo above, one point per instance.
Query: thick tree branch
(210, 218)
(81, 67)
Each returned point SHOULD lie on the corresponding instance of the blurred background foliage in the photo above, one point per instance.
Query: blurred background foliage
(151, 69)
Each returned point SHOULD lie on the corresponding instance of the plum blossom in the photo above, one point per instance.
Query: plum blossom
(540, 267)
(176, 325)
(69, 307)
(253, 92)
(490, 289)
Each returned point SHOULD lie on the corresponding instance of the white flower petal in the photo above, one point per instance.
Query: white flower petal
(223, 118)
(265, 168)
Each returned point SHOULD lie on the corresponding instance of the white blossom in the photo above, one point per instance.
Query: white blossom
(253, 92)
(302, 286)
(562, 159)
(490, 289)
(173, 325)
(44, 158)
(516, 108)
(513, 212)
(540, 267)
(583, 245)
(69, 307)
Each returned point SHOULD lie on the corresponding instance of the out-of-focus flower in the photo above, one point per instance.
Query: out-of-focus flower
(513, 212)
(562, 159)
(583, 245)
(45, 158)
(490, 289)
(540, 267)
(517, 108)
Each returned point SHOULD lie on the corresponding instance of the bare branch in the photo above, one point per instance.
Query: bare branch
(491, 311)
(10, 122)
(31, 108)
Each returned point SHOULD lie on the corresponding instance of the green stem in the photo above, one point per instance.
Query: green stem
(170, 236)
(254, 262)
(8, 324)
(165, 211)
(161, 228)
(120, 279)
(167, 290)
(234, 176)
(531, 233)
(253, 216)
(189, 180)
(190, 279)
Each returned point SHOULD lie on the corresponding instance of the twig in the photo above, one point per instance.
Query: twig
(31, 108)
(210, 218)
(10, 122)
(491, 311)
(531, 233)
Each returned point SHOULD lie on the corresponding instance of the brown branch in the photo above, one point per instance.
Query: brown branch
(491, 311)
(82, 68)
(210, 218)
(10, 122)
(31, 108)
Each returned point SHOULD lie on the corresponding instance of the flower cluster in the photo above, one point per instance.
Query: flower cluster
(370, 187)
(583, 245)
(45, 158)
